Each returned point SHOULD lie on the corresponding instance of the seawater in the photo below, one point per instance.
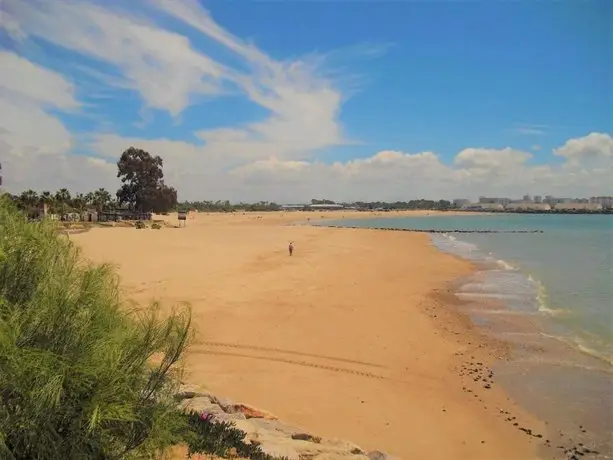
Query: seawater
(551, 295)
(566, 272)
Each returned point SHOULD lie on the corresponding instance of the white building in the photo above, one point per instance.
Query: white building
(576, 206)
(460, 202)
(605, 201)
(484, 207)
(528, 207)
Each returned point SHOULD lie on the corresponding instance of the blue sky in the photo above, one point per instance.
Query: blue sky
(454, 74)
(270, 95)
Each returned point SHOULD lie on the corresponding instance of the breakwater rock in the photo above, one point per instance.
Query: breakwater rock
(274, 437)
(434, 230)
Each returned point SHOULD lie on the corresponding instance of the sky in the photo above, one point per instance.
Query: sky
(288, 100)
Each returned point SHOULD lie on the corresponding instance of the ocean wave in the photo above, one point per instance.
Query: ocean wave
(522, 293)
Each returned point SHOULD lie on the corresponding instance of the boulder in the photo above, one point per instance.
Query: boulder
(249, 411)
(231, 418)
(187, 391)
(281, 429)
(378, 455)
(201, 404)
(342, 445)
(306, 437)
(337, 456)
(280, 450)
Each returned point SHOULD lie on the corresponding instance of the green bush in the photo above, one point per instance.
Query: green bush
(140, 224)
(77, 379)
(219, 438)
(156, 226)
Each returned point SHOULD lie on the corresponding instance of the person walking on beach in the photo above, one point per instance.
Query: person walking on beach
(290, 248)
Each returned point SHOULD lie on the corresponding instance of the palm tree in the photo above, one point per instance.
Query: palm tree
(63, 201)
(79, 203)
(102, 199)
(29, 201)
(46, 197)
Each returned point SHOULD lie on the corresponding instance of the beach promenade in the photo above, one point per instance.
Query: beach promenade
(353, 337)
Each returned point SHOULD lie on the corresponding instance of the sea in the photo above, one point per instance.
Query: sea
(550, 295)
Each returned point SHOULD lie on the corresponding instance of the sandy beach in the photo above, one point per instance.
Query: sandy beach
(355, 336)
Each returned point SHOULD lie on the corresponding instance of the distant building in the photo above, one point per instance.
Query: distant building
(488, 200)
(527, 199)
(525, 206)
(538, 199)
(605, 201)
(325, 206)
(577, 206)
(460, 202)
(484, 207)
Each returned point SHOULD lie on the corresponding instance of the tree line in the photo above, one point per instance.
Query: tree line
(142, 190)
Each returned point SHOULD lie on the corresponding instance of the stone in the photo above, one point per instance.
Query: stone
(231, 418)
(378, 455)
(249, 411)
(280, 450)
(187, 391)
(281, 428)
(201, 404)
(306, 437)
(341, 444)
(337, 456)
(225, 403)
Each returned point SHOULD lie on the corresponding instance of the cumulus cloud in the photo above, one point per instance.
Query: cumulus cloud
(594, 146)
(27, 93)
(271, 158)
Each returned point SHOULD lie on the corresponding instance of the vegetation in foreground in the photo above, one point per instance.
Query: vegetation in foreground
(82, 376)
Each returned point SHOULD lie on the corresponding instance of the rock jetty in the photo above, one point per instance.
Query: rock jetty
(274, 437)
(433, 230)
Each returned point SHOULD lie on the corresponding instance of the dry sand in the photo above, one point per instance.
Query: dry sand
(353, 337)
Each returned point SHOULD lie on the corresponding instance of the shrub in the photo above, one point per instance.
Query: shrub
(77, 374)
(140, 224)
(219, 438)
(156, 226)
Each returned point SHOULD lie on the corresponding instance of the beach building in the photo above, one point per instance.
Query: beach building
(293, 207)
(329, 207)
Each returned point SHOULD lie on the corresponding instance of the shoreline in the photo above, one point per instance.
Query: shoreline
(564, 356)
(348, 339)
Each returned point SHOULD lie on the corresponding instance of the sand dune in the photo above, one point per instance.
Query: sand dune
(352, 337)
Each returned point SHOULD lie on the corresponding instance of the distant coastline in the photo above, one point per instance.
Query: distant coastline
(539, 211)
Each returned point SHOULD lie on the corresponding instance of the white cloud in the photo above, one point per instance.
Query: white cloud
(26, 92)
(531, 129)
(491, 158)
(270, 158)
(23, 79)
(161, 65)
(592, 146)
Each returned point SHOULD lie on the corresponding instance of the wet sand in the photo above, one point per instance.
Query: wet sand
(355, 336)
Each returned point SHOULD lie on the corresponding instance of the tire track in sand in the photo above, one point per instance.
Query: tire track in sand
(296, 363)
(287, 352)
